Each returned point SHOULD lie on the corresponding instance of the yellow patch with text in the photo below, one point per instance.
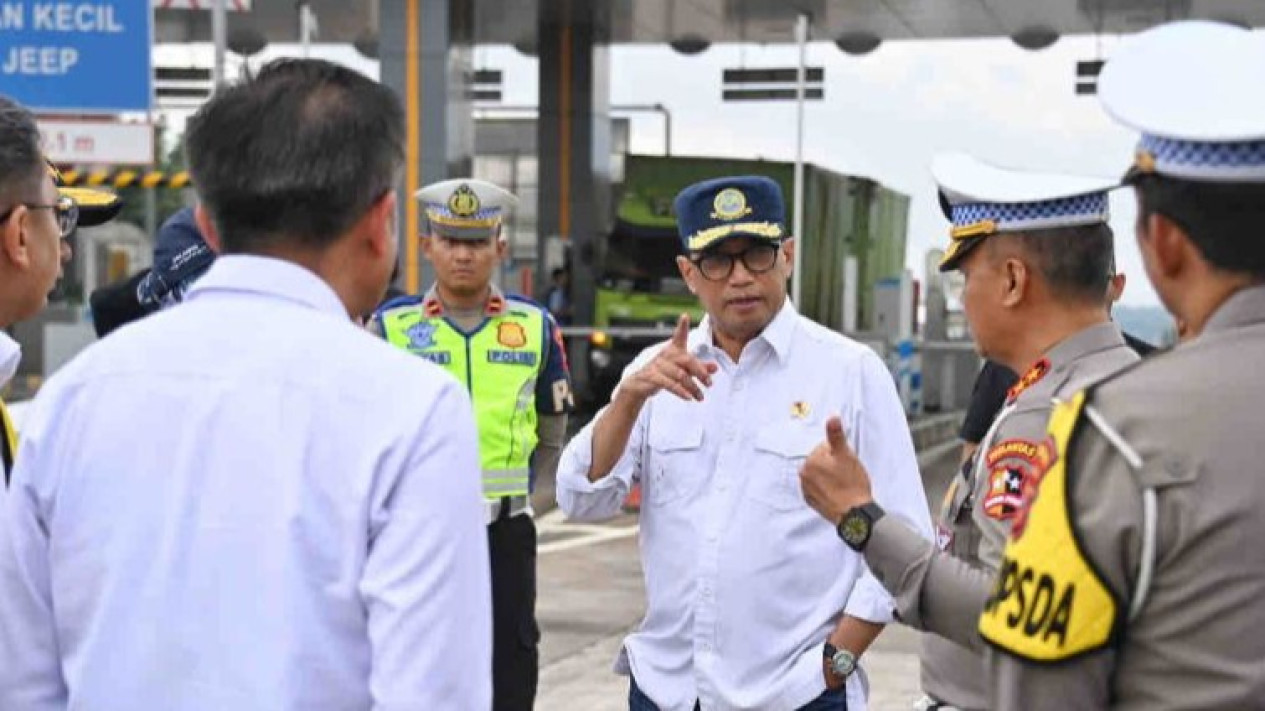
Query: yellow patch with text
(1049, 604)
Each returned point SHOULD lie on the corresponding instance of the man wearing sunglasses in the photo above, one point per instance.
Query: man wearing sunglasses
(751, 601)
(36, 218)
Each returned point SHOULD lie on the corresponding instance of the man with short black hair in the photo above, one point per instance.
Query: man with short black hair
(248, 502)
(36, 219)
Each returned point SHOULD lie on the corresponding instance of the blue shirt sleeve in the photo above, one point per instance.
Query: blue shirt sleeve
(553, 387)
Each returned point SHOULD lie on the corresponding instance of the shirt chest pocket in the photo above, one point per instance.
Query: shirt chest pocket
(773, 477)
(676, 467)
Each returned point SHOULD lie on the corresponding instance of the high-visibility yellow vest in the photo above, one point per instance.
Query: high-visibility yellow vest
(499, 363)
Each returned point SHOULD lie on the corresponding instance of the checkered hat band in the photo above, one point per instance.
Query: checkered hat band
(1235, 161)
(442, 211)
(1009, 217)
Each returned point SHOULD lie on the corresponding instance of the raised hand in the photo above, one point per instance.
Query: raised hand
(673, 369)
(833, 479)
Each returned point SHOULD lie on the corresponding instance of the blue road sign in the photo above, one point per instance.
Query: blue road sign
(77, 56)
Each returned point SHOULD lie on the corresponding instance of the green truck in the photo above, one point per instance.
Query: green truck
(640, 294)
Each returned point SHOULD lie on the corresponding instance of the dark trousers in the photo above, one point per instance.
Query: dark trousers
(830, 701)
(515, 636)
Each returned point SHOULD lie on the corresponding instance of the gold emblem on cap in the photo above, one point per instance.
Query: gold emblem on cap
(463, 202)
(800, 409)
(1144, 161)
(730, 204)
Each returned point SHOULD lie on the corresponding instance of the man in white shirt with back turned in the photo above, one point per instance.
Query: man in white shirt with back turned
(248, 502)
(751, 602)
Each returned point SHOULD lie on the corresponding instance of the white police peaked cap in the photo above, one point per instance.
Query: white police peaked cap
(1196, 92)
(465, 208)
(982, 199)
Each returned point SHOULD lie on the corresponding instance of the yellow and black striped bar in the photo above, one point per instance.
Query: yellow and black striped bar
(120, 179)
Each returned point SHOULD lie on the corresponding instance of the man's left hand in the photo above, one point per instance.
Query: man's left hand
(833, 479)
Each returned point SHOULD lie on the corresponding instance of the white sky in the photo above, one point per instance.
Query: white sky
(884, 115)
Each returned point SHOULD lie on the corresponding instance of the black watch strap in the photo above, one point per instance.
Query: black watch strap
(857, 525)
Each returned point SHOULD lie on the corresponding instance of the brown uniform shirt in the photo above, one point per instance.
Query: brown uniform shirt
(1186, 425)
(944, 591)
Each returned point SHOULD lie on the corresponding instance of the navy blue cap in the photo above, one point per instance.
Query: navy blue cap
(181, 255)
(738, 206)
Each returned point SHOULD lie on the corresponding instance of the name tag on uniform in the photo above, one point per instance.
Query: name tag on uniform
(436, 357)
(512, 358)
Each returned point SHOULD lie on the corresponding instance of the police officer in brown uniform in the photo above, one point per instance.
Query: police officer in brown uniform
(1138, 578)
(1036, 252)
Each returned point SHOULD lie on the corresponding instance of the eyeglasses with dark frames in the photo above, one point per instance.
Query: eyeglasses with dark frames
(757, 259)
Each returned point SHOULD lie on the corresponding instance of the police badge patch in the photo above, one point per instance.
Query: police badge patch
(511, 335)
(421, 335)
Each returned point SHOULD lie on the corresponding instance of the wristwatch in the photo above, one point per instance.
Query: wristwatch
(840, 662)
(857, 524)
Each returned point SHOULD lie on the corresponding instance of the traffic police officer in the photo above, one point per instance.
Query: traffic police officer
(508, 351)
(1036, 252)
(1137, 580)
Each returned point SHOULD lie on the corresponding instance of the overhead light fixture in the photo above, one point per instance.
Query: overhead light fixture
(366, 43)
(246, 41)
(1035, 38)
(858, 43)
(689, 44)
(526, 47)
(1238, 22)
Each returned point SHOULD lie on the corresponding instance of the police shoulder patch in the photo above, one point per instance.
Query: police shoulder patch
(1049, 602)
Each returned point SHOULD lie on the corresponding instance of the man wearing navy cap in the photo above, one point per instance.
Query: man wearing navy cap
(1036, 252)
(181, 255)
(752, 603)
(1143, 537)
(37, 216)
(508, 352)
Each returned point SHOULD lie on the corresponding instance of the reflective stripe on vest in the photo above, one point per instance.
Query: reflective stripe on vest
(9, 444)
(499, 364)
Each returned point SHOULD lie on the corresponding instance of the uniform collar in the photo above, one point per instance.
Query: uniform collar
(1245, 308)
(434, 307)
(269, 276)
(778, 334)
(1101, 337)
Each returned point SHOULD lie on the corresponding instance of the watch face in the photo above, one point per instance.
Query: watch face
(854, 529)
(843, 663)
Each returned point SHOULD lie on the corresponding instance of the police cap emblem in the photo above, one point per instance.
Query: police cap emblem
(464, 202)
